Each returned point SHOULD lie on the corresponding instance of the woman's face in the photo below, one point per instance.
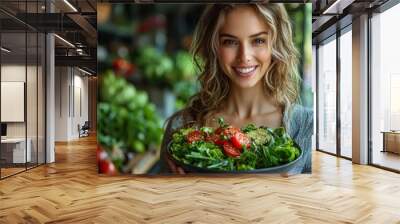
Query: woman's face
(244, 54)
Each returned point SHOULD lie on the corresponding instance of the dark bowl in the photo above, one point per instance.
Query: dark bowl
(275, 169)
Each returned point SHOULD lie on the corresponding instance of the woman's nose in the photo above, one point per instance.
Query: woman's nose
(244, 53)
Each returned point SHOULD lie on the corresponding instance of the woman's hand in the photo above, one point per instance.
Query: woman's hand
(288, 174)
(174, 168)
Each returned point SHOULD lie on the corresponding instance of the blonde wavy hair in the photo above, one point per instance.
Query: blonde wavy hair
(282, 79)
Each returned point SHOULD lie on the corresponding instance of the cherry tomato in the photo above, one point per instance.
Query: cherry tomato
(230, 150)
(230, 131)
(218, 131)
(194, 136)
(220, 141)
(122, 67)
(101, 154)
(239, 140)
(104, 164)
(216, 139)
(212, 138)
(107, 167)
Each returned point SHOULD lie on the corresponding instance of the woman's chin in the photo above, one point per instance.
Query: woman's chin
(246, 84)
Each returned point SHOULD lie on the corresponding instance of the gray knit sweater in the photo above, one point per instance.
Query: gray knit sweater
(298, 123)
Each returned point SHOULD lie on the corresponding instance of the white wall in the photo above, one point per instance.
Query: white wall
(80, 115)
(71, 93)
(13, 101)
(61, 103)
(13, 73)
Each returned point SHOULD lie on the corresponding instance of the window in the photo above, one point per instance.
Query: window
(385, 87)
(327, 96)
(346, 93)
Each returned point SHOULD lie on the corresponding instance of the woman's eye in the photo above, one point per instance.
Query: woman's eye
(228, 42)
(259, 41)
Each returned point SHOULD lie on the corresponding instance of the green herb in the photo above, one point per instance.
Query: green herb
(222, 123)
(259, 136)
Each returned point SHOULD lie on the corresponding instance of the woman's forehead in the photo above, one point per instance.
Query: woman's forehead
(243, 21)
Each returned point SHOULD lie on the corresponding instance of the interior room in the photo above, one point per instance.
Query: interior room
(50, 65)
(48, 84)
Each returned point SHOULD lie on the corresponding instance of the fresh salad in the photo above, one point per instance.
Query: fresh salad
(228, 148)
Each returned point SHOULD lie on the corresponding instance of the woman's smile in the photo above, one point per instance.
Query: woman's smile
(245, 71)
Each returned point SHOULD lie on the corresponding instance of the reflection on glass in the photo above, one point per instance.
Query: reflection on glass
(385, 86)
(327, 96)
(13, 83)
(346, 94)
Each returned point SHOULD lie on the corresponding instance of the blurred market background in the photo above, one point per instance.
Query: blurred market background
(146, 74)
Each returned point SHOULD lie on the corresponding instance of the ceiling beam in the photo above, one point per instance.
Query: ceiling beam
(84, 24)
(337, 7)
(81, 61)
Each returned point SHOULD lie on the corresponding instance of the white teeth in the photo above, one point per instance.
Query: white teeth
(246, 70)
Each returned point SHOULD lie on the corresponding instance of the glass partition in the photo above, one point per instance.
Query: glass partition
(22, 89)
(13, 108)
(327, 96)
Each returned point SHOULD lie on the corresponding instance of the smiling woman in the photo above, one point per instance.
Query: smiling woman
(248, 65)
(244, 52)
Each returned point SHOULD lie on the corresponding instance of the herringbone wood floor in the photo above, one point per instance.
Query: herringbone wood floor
(70, 191)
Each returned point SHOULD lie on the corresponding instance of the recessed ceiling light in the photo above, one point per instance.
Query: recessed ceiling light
(5, 49)
(70, 5)
(337, 7)
(84, 71)
(64, 40)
